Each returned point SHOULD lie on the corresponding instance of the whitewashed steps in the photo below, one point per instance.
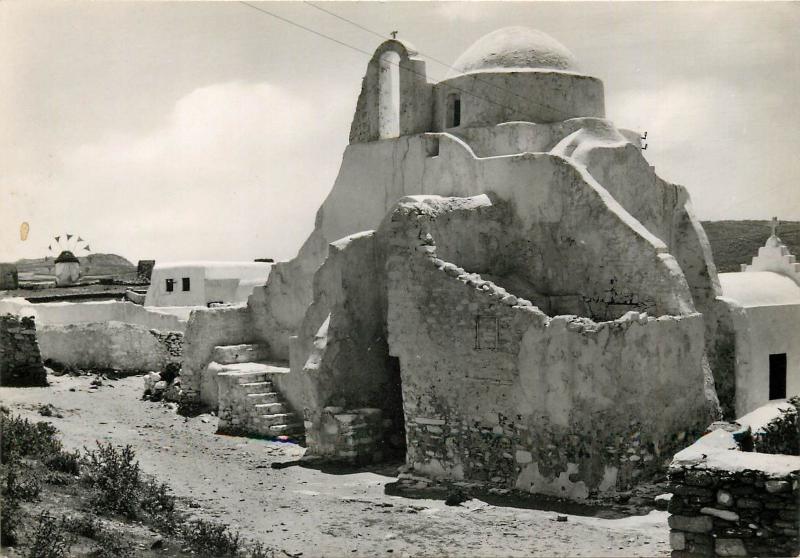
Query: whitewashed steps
(249, 402)
(234, 354)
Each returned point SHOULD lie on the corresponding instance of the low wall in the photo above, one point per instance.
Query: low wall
(20, 359)
(64, 313)
(729, 502)
(116, 345)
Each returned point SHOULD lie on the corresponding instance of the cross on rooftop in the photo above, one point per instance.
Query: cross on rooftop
(393, 34)
(774, 226)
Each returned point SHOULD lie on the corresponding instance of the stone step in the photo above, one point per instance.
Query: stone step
(256, 387)
(236, 354)
(269, 408)
(275, 420)
(263, 398)
(293, 429)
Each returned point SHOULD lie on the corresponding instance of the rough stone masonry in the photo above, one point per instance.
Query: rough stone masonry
(20, 359)
(729, 502)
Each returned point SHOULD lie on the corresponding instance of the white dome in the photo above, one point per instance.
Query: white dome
(759, 288)
(514, 48)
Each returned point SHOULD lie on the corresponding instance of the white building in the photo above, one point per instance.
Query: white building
(202, 283)
(765, 301)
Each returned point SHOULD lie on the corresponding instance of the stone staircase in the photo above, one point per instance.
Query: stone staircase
(249, 402)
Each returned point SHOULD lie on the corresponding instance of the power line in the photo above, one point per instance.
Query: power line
(370, 54)
(438, 61)
(290, 22)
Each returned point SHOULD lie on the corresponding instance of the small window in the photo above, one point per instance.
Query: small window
(170, 285)
(453, 117)
(185, 283)
(777, 376)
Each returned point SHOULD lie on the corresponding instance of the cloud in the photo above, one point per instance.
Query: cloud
(231, 165)
(472, 12)
(701, 134)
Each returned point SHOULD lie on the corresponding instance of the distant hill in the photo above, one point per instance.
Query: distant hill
(93, 264)
(736, 242)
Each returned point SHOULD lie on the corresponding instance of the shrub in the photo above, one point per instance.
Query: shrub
(111, 545)
(258, 550)
(156, 500)
(86, 525)
(19, 482)
(208, 538)
(115, 475)
(64, 462)
(22, 438)
(781, 435)
(9, 520)
(51, 538)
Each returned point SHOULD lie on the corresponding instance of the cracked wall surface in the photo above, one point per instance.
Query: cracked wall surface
(496, 391)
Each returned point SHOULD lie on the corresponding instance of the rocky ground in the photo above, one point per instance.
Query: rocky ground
(314, 511)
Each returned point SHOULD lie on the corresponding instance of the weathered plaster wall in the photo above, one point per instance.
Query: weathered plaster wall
(495, 391)
(65, 313)
(489, 98)
(20, 358)
(729, 352)
(340, 357)
(121, 346)
(415, 106)
(664, 209)
(374, 175)
(208, 328)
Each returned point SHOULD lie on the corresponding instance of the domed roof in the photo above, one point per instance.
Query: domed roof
(66, 257)
(759, 288)
(514, 48)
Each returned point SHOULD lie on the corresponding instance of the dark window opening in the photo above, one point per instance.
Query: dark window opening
(170, 285)
(394, 441)
(777, 376)
(185, 283)
(453, 111)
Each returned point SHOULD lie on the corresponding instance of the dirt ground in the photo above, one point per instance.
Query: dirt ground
(307, 511)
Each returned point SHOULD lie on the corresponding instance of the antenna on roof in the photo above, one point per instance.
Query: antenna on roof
(643, 137)
(394, 35)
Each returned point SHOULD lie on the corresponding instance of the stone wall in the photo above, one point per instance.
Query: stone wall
(20, 359)
(495, 391)
(354, 436)
(116, 345)
(9, 278)
(728, 502)
(144, 269)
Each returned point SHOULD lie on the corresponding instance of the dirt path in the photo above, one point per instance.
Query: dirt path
(303, 510)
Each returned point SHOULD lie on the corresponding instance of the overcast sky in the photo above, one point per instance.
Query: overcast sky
(213, 131)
